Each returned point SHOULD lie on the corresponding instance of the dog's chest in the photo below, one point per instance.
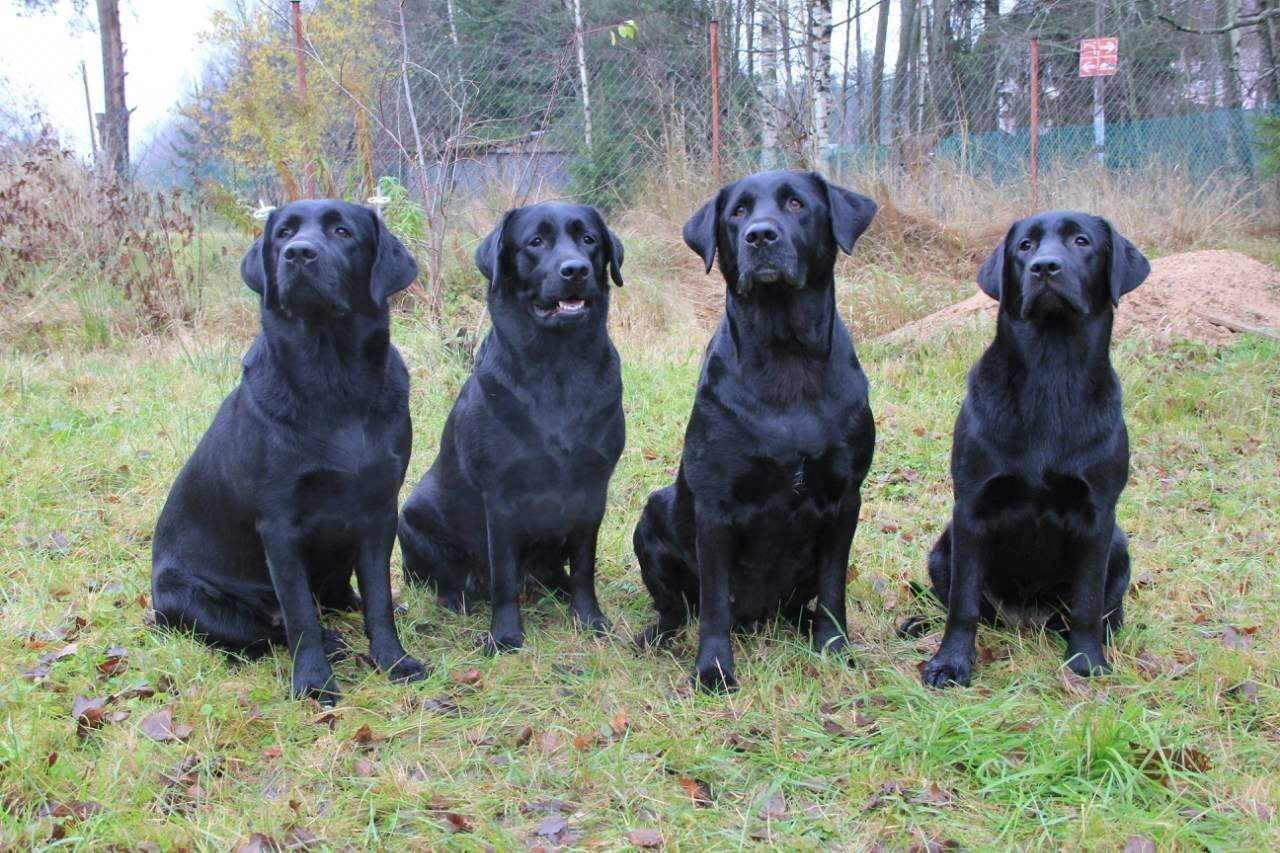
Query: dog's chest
(354, 469)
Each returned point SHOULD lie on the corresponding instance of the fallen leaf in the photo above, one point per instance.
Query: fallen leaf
(77, 809)
(619, 722)
(1139, 844)
(140, 690)
(272, 752)
(300, 838)
(365, 736)
(774, 808)
(455, 822)
(443, 705)
(470, 675)
(259, 843)
(1245, 691)
(886, 791)
(524, 735)
(552, 826)
(933, 795)
(645, 837)
(699, 792)
(87, 713)
(161, 727)
(115, 662)
(1240, 639)
(364, 768)
(581, 742)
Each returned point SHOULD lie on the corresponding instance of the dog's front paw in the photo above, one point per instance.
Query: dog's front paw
(714, 679)
(1088, 663)
(947, 670)
(830, 640)
(498, 642)
(408, 668)
(316, 682)
(592, 619)
(713, 670)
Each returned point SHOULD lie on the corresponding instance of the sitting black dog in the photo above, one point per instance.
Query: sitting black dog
(1041, 452)
(296, 481)
(762, 514)
(519, 486)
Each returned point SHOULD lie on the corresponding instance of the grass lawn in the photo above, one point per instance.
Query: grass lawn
(581, 742)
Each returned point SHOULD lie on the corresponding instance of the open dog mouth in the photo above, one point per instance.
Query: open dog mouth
(563, 308)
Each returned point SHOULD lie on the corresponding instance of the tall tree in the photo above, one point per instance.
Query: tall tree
(903, 78)
(113, 122)
(819, 80)
(877, 73)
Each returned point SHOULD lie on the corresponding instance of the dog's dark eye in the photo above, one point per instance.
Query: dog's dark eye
(1082, 240)
(740, 211)
(341, 232)
(588, 239)
(1024, 246)
(535, 242)
(795, 204)
(285, 233)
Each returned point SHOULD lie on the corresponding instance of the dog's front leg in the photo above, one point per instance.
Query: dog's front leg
(506, 632)
(830, 630)
(312, 675)
(373, 573)
(582, 578)
(713, 670)
(953, 662)
(1086, 634)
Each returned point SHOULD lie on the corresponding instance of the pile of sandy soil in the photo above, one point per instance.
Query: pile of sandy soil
(1202, 296)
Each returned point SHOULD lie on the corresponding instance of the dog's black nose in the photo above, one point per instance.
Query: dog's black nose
(574, 270)
(761, 234)
(300, 252)
(1045, 267)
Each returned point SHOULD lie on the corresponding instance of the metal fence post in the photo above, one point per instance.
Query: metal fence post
(714, 38)
(301, 62)
(1035, 122)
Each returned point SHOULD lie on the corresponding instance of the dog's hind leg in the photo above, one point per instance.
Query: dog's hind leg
(184, 602)
(429, 561)
(1117, 583)
(668, 578)
(940, 578)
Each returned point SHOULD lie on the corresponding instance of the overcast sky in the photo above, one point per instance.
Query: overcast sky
(42, 55)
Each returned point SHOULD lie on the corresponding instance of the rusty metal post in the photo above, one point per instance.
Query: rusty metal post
(714, 35)
(301, 63)
(1035, 123)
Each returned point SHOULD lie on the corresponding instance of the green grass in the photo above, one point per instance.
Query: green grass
(809, 753)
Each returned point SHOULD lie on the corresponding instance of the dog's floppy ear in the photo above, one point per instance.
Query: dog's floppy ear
(393, 268)
(254, 267)
(851, 213)
(1129, 267)
(991, 273)
(489, 252)
(703, 228)
(616, 255)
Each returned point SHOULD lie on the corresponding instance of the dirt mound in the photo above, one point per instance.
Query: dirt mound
(1202, 296)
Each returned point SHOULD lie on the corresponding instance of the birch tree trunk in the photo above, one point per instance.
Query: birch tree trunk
(877, 74)
(819, 81)
(908, 35)
(575, 7)
(771, 118)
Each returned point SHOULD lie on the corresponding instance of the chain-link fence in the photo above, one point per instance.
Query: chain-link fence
(606, 101)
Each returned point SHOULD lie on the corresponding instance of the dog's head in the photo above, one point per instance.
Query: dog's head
(1062, 265)
(551, 263)
(778, 228)
(326, 259)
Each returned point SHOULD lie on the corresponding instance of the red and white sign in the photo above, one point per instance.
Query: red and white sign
(1099, 57)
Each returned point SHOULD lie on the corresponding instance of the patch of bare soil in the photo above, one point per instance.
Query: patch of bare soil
(1204, 296)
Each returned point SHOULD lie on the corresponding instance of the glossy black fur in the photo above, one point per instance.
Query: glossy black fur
(1040, 452)
(762, 515)
(295, 483)
(519, 486)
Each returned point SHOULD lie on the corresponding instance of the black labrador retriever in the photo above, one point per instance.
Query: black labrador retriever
(296, 481)
(1040, 452)
(762, 514)
(520, 483)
